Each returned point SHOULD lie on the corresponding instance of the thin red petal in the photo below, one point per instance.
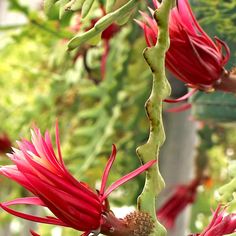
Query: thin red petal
(34, 233)
(86, 233)
(186, 96)
(45, 220)
(59, 145)
(127, 177)
(67, 207)
(183, 4)
(202, 62)
(27, 200)
(156, 4)
(82, 192)
(140, 23)
(107, 170)
(186, 15)
(13, 173)
(227, 50)
(180, 108)
(214, 219)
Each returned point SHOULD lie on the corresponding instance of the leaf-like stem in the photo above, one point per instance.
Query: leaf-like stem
(155, 57)
(101, 25)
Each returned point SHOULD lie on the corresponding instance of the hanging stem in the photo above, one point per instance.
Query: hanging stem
(155, 57)
(92, 34)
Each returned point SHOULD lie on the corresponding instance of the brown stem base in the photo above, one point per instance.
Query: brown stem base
(228, 83)
(114, 227)
(135, 224)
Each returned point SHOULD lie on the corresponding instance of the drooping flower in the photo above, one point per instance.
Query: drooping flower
(42, 171)
(221, 224)
(193, 56)
(182, 197)
(5, 143)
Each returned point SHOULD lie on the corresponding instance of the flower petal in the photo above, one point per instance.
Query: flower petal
(186, 96)
(180, 108)
(45, 220)
(27, 200)
(126, 178)
(107, 170)
(33, 233)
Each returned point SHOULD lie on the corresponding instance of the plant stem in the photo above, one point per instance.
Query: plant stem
(113, 226)
(92, 34)
(155, 57)
(228, 83)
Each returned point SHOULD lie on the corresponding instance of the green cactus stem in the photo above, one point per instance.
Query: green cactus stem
(226, 193)
(155, 57)
(93, 35)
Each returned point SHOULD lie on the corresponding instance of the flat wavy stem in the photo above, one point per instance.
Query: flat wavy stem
(226, 193)
(101, 25)
(155, 57)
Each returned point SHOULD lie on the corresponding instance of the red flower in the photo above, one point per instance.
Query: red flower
(192, 57)
(183, 196)
(5, 143)
(41, 171)
(221, 224)
(110, 31)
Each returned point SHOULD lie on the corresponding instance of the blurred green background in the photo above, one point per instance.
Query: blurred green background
(41, 82)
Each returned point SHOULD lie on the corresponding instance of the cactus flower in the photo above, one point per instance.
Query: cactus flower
(220, 225)
(182, 197)
(41, 170)
(193, 57)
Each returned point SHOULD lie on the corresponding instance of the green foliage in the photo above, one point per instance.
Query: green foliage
(228, 191)
(217, 149)
(117, 11)
(93, 35)
(221, 14)
(214, 107)
(215, 158)
(41, 82)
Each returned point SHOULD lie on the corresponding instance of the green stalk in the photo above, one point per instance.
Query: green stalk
(155, 57)
(93, 34)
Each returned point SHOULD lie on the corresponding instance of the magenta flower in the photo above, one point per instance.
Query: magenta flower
(42, 171)
(221, 224)
(183, 196)
(193, 57)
